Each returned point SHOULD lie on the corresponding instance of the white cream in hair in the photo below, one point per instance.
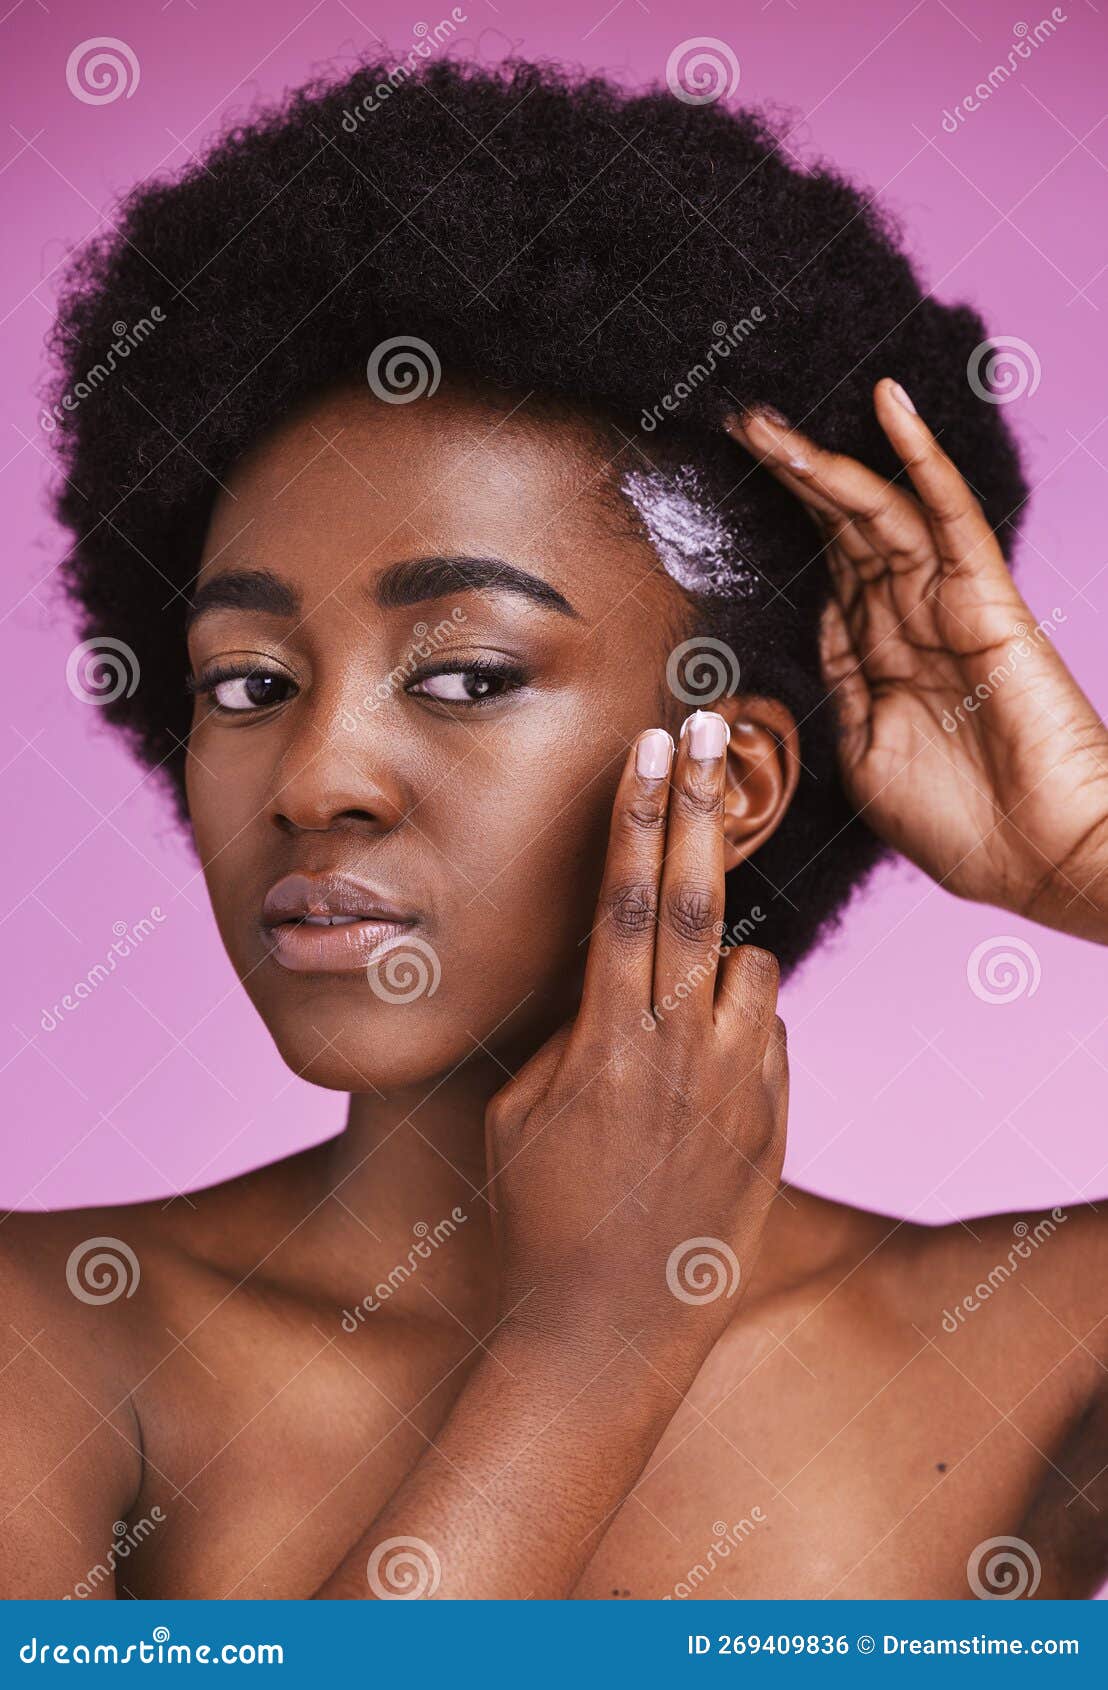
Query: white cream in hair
(692, 541)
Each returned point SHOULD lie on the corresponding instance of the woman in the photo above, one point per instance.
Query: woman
(417, 655)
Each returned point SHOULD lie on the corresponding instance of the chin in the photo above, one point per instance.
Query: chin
(339, 1035)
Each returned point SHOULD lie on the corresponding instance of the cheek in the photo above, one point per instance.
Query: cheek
(220, 809)
(537, 853)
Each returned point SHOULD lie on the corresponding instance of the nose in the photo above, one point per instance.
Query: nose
(340, 772)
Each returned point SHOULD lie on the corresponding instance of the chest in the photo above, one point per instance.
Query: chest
(792, 1469)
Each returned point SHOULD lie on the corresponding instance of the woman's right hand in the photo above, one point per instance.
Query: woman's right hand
(632, 1161)
(633, 1158)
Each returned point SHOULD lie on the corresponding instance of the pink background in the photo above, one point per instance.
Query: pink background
(912, 1093)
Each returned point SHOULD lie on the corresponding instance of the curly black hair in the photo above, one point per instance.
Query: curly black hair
(546, 232)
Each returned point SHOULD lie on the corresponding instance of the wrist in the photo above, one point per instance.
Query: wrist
(593, 1370)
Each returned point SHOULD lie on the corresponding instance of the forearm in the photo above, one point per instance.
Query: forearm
(539, 1450)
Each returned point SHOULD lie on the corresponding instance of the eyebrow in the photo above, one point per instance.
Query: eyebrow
(416, 580)
(244, 589)
(412, 581)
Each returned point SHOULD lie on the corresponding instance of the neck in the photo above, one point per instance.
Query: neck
(409, 1171)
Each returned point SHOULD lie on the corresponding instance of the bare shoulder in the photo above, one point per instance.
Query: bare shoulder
(71, 1459)
(1020, 1295)
(1026, 1272)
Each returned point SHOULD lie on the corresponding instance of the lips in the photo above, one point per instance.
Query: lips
(330, 923)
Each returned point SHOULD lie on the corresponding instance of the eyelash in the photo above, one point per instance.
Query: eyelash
(204, 686)
(510, 673)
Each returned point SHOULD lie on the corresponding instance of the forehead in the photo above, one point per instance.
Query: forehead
(350, 484)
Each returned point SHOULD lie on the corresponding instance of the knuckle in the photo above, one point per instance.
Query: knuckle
(699, 799)
(761, 969)
(644, 815)
(502, 1112)
(693, 911)
(632, 909)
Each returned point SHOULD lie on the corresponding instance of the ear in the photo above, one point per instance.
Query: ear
(763, 766)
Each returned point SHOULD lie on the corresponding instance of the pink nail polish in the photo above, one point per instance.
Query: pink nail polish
(652, 754)
(899, 394)
(708, 736)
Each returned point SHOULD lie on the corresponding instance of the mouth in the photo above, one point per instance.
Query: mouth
(330, 923)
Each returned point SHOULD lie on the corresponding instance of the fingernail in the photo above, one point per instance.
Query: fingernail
(899, 394)
(652, 754)
(708, 735)
(771, 414)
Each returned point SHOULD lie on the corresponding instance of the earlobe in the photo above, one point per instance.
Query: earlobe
(763, 766)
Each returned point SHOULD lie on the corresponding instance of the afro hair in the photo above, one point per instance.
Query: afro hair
(545, 232)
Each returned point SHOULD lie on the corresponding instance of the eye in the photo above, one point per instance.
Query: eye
(475, 683)
(240, 691)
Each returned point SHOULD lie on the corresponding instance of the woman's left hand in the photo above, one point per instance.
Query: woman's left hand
(966, 742)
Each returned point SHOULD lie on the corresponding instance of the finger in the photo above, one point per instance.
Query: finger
(620, 965)
(962, 535)
(691, 894)
(746, 999)
(845, 493)
(846, 681)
